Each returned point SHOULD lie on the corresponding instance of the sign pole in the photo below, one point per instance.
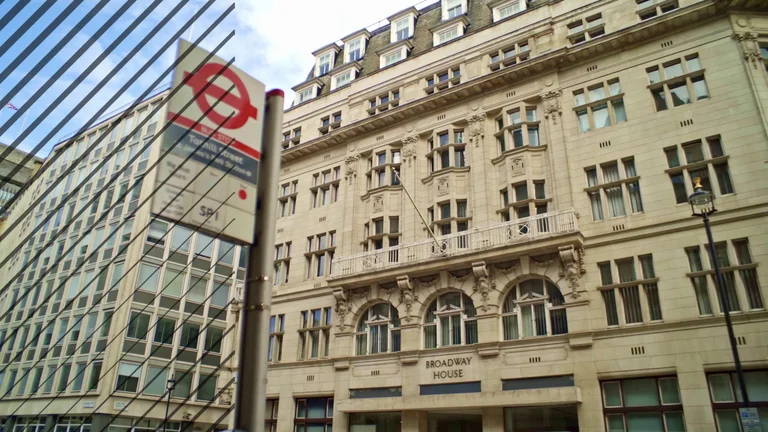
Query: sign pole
(251, 394)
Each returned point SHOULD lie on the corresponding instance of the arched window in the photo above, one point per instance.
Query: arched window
(533, 307)
(378, 330)
(450, 321)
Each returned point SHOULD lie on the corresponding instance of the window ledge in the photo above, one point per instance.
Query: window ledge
(581, 33)
(511, 60)
(442, 171)
(440, 149)
(285, 198)
(320, 252)
(516, 126)
(628, 284)
(723, 269)
(524, 203)
(699, 164)
(612, 184)
(384, 166)
(599, 102)
(517, 150)
(676, 79)
(325, 185)
(381, 189)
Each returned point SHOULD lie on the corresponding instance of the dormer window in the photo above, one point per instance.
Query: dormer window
(505, 9)
(402, 28)
(447, 35)
(306, 94)
(344, 79)
(323, 64)
(307, 90)
(448, 30)
(453, 8)
(354, 50)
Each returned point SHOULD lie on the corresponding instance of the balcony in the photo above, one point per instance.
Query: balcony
(520, 231)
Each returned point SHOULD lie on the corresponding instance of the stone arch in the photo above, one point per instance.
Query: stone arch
(532, 306)
(376, 329)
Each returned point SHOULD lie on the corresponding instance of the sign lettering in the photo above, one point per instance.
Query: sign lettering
(448, 368)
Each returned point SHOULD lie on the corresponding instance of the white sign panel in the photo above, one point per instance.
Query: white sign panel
(750, 420)
(215, 189)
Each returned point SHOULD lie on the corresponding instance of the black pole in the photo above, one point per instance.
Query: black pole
(726, 310)
(167, 405)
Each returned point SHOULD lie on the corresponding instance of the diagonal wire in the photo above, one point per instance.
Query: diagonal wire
(146, 200)
(21, 29)
(8, 17)
(124, 60)
(48, 31)
(57, 155)
(115, 177)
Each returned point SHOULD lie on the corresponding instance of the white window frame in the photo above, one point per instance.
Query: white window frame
(497, 11)
(396, 25)
(450, 4)
(348, 49)
(320, 62)
(403, 53)
(306, 94)
(338, 77)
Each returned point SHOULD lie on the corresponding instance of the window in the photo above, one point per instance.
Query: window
(508, 9)
(680, 81)
(529, 306)
(276, 332)
(450, 320)
(173, 281)
(392, 58)
(306, 94)
(320, 253)
(745, 286)
(447, 35)
(607, 183)
(453, 8)
(189, 336)
(624, 402)
(213, 340)
(203, 246)
(314, 415)
(378, 330)
(271, 415)
(450, 152)
(206, 387)
(343, 79)
(647, 9)
(287, 199)
(128, 375)
(148, 278)
(183, 387)
(442, 80)
(518, 128)
(509, 56)
(315, 333)
(156, 380)
(726, 397)
(638, 294)
(164, 331)
(325, 187)
(354, 50)
(704, 159)
(517, 203)
(138, 325)
(600, 105)
(378, 168)
(586, 29)
(323, 64)
(402, 29)
(282, 263)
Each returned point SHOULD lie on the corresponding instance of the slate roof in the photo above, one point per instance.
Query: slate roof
(478, 14)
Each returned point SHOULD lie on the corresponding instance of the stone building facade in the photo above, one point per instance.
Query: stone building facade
(483, 221)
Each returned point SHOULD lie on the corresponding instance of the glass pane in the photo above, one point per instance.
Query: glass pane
(727, 421)
(675, 422)
(602, 119)
(720, 385)
(694, 64)
(612, 394)
(659, 98)
(583, 120)
(619, 112)
(673, 70)
(669, 391)
(615, 423)
(679, 94)
(597, 93)
(653, 75)
(316, 408)
(641, 392)
(700, 88)
(645, 422)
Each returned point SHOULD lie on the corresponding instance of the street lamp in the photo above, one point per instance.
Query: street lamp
(702, 205)
(171, 386)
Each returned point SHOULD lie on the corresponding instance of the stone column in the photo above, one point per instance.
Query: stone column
(410, 224)
(590, 410)
(493, 419)
(481, 190)
(694, 393)
(351, 201)
(341, 392)
(50, 423)
(414, 421)
(557, 152)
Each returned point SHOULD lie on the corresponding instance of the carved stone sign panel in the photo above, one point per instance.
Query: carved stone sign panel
(378, 203)
(442, 186)
(518, 166)
(445, 369)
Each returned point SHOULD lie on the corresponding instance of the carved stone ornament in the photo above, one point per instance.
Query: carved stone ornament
(476, 128)
(518, 166)
(442, 186)
(187, 416)
(750, 48)
(378, 203)
(552, 104)
(407, 295)
(343, 307)
(350, 166)
(572, 267)
(226, 396)
(484, 282)
(409, 148)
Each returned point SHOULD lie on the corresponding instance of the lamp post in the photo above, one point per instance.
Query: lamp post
(171, 386)
(702, 205)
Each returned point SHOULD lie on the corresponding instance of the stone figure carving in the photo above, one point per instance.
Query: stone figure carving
(572, 267)
(750, 48)
(343, 307)
(552, 104)
(484, 282)
(407, 295)
(350, 166)
(476, 128)
(409, 148)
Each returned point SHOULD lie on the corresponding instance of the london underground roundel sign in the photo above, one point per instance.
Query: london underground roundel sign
(207, 179)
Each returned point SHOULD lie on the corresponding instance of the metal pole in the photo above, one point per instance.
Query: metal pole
(726, 310)
(251, 395)
(424, 221)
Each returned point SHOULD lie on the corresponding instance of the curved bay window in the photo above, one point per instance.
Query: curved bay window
(518, 127)
(533, 307)
(378, 330)
(451, 320)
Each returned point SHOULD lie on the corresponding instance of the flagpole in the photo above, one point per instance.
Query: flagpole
(192, 27)
(23, 122)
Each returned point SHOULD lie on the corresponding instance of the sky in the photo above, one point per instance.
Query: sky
(273, 42)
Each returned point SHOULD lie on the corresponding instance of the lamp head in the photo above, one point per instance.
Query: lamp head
(701, 201)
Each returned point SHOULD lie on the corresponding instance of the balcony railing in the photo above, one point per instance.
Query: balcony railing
(546, 225)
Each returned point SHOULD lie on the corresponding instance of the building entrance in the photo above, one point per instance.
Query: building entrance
(455, 422)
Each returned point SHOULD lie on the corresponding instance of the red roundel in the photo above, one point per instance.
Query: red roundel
(242, 194)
